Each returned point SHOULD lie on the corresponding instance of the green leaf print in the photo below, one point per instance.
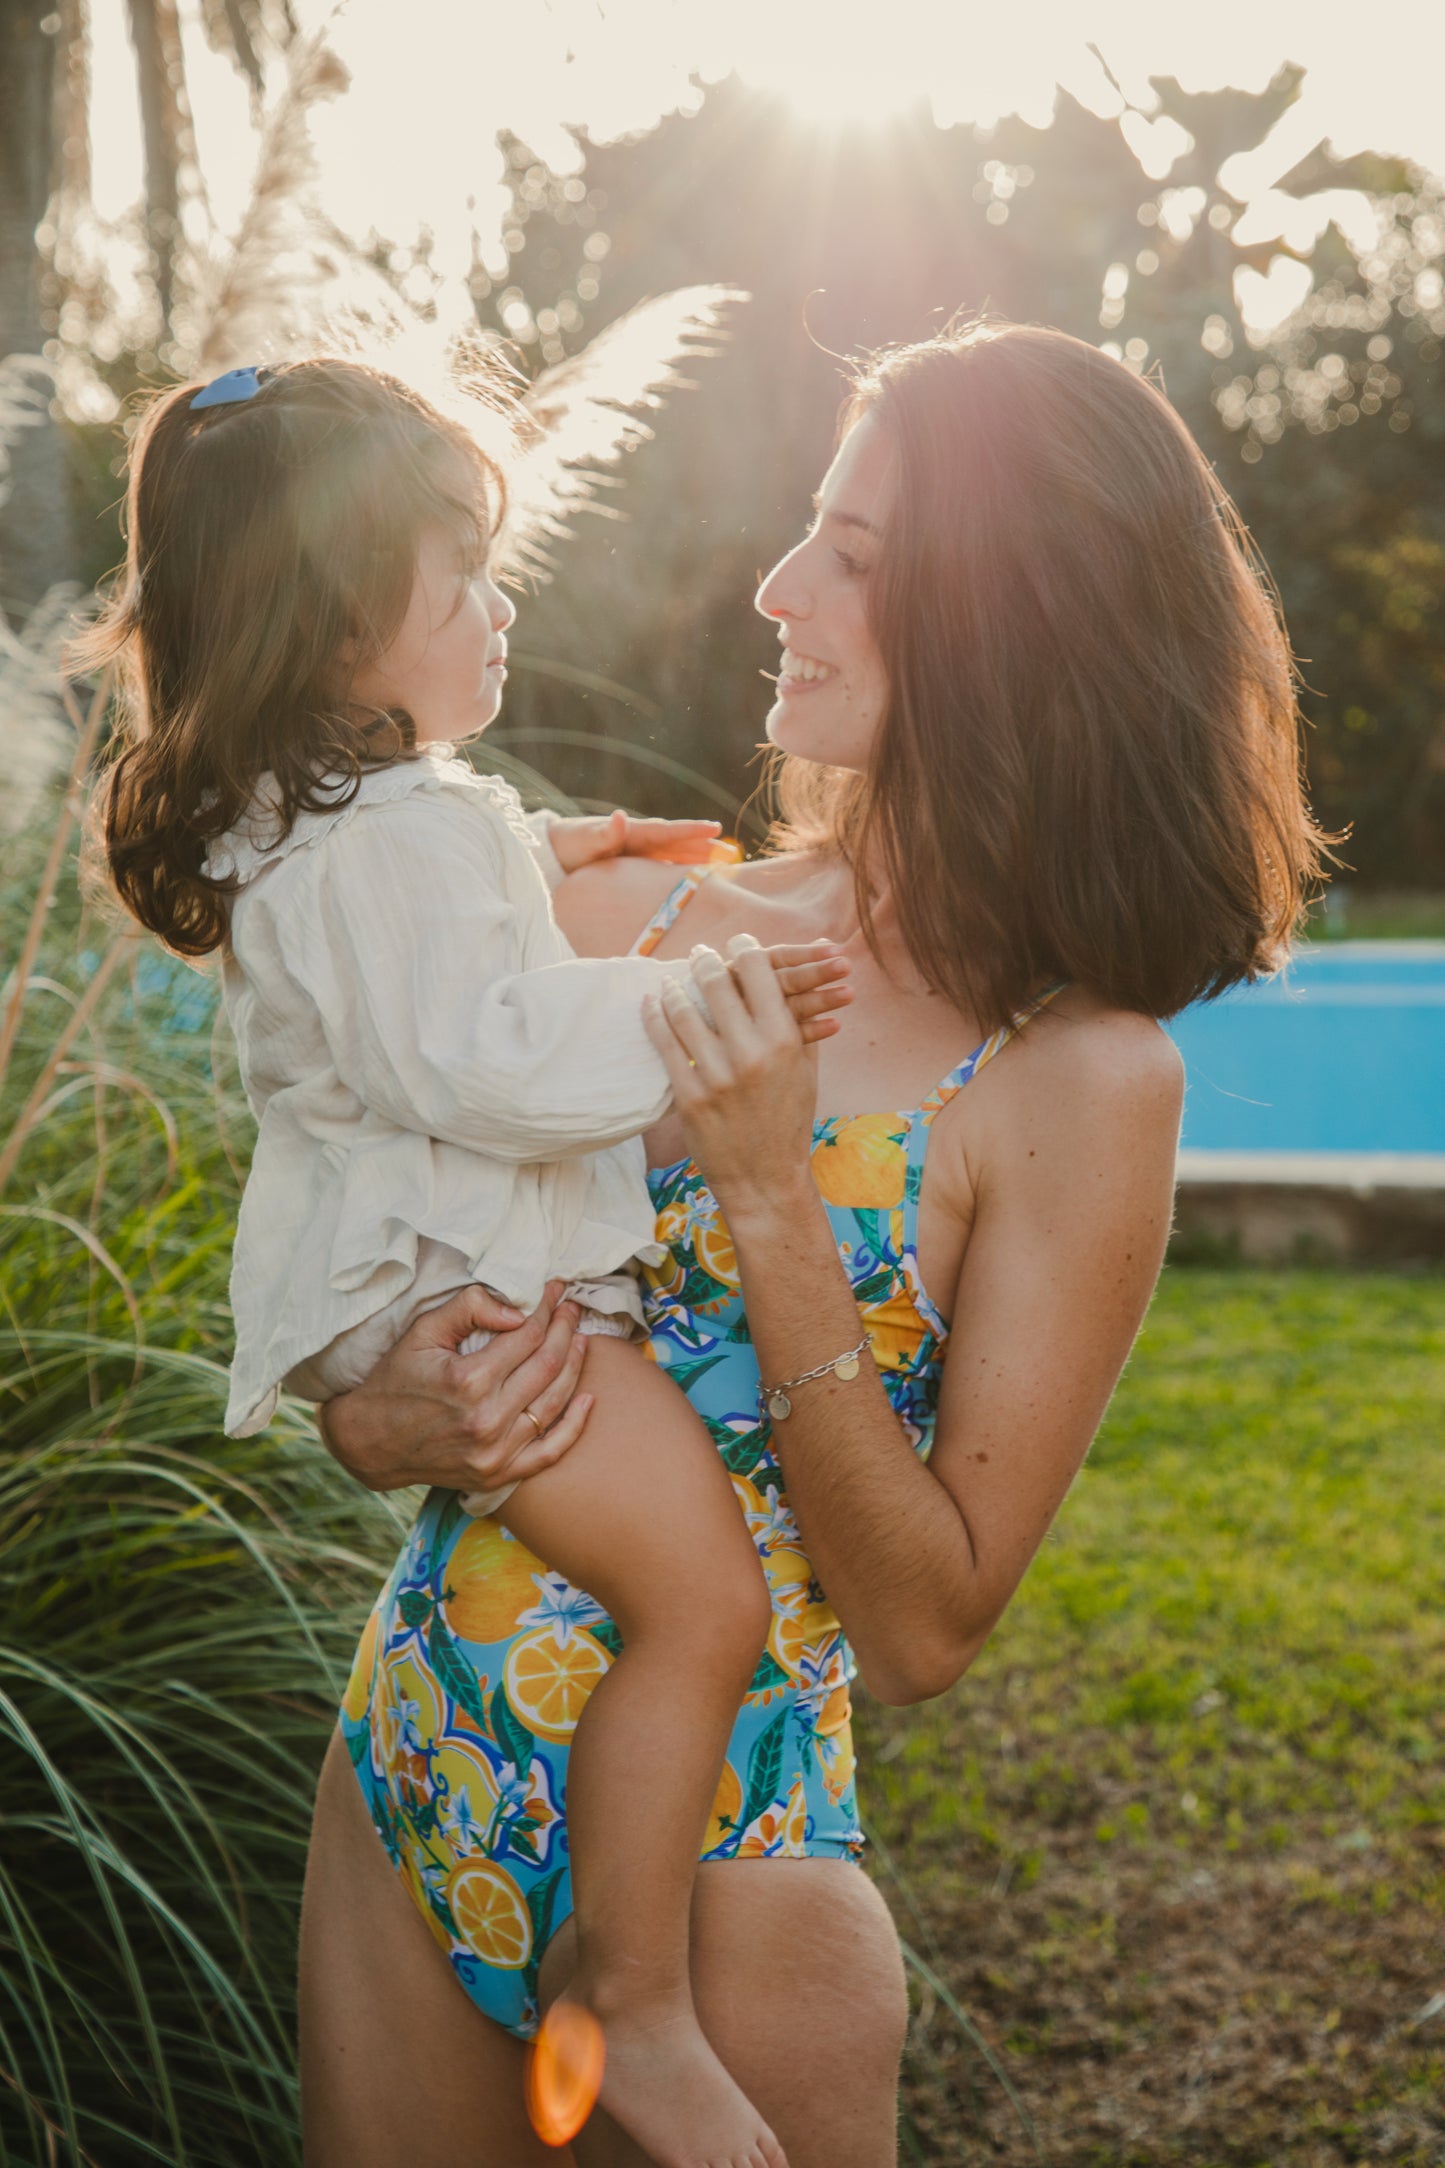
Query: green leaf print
(769, 1674)
(513, 1738)
(765, 1766)
(467, 1690)
(687, 1374)
(744, 1453)
(700, 1288)
(607, 1634)
(519, 1840)
(358, 1744)
(448, 1519)
(416, 1606)
(542, 1903)
(875, 1227)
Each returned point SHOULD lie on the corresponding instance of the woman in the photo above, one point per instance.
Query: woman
(1041, 777)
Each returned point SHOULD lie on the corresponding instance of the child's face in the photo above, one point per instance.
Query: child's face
(447, 663)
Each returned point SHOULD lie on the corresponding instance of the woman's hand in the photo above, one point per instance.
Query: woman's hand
(429, 1415)
(581, 840)
(745, 1090)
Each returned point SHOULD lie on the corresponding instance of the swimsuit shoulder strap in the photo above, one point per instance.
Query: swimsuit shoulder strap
(673, 904)
(948, 1087)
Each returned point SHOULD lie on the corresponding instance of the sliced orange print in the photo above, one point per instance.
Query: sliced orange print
(548, 1682)
(491, 1913)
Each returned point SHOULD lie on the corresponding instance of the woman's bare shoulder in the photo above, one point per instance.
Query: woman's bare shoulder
(1085, 1061)
(602, 908)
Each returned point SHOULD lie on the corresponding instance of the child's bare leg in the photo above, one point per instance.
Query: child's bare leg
(641, 1515)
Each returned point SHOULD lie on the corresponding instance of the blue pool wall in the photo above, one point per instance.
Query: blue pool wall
(1342, 1052)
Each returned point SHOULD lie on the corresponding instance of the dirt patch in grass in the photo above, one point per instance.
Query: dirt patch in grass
(1186, 2004)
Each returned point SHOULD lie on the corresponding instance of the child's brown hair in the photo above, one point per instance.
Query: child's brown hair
(271, 548)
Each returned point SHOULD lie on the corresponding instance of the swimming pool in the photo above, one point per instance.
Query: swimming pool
(1344, 1052)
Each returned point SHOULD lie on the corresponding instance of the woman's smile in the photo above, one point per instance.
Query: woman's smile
(802, 673)
(817, 597)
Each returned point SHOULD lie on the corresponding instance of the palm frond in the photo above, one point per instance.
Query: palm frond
(591, 409)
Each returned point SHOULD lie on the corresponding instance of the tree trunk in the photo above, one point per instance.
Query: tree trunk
(37, 545)
(165, 127)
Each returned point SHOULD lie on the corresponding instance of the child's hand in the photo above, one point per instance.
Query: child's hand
(812, 977)
(580, 841)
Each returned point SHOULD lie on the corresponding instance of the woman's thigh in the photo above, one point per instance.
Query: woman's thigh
(799, 1985)
(397, 2063)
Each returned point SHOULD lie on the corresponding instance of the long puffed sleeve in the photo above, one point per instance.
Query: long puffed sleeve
(450, 1002)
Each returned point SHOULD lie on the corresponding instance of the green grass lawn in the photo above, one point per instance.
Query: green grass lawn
(1178, 1842)
(1381, 915)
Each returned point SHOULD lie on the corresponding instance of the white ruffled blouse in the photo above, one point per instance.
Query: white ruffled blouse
(424, 1056)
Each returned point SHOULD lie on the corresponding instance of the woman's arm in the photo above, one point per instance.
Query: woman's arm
(1072, 1210)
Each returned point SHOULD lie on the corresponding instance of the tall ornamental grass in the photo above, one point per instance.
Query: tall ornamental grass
(176, 1609)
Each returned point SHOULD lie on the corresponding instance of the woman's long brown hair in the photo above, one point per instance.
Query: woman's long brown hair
(271, 548)
(1089, 768)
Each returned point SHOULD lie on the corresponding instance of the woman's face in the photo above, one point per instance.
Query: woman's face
(833, 689)
(447, 664)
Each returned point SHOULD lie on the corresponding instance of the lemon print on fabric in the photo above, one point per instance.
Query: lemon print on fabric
(491, 1913)
(491, 1579)
(669, 1277)
(788, 1572)
(859, 1160)
(357, 1697)
(409, 1708)
(833, 1740)
(798, 1625)
(548, 1681)
(727, 1805)
(795, 1821)
(838, 1762)
(787, 1639)
(464, 1790)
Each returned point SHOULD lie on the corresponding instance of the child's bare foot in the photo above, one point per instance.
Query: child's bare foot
(661, 2082)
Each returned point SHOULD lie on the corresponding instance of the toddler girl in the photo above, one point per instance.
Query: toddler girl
(444, 1093)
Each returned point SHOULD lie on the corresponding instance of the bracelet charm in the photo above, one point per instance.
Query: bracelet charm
(774, 1398)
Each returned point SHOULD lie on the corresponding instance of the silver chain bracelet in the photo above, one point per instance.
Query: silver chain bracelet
(773, 1399)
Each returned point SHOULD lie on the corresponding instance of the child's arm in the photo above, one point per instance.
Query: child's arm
(400, 931)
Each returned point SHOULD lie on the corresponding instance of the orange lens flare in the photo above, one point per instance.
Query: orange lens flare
(725, 851)
(564, 2072)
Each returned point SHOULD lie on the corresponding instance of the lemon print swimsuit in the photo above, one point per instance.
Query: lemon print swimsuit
(477, 1660)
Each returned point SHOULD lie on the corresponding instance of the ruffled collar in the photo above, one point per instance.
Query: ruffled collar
(258, 839)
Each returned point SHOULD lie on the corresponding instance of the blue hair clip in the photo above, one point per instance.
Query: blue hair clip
(230, 389)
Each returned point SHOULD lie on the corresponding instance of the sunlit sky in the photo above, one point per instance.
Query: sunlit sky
(413, 142)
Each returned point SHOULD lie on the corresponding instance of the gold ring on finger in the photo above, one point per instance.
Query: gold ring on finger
(531, 1418)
